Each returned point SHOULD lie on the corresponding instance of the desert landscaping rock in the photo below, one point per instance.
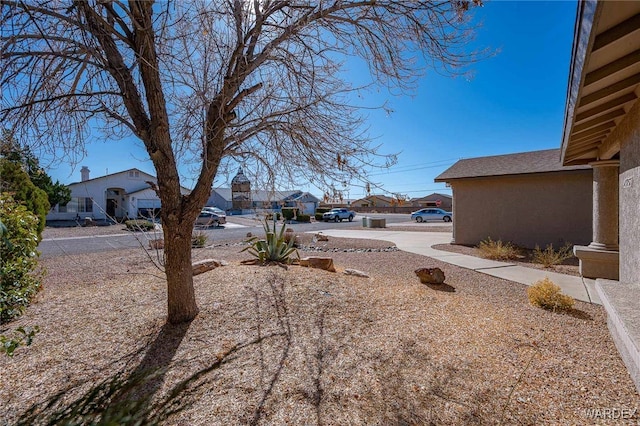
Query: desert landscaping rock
(324, 263)
(430, 275)
(320, 237)
(347, 250)
(356, 273)
(205, 265)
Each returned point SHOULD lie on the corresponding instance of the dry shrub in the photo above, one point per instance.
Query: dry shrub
(199, 240)
(550, 257)
(548, 295)
(497, 250)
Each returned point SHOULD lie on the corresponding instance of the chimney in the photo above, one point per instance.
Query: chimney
(84, 172)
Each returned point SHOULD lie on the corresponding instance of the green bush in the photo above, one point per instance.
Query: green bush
(275, 247)
(19, 282)
(21, 337)
(289, 212)
(304, 218)
(547, 295)
(322, 209)
(497, 250)
(17, 182)
(139, 225)
(550, 257)
(318, 216)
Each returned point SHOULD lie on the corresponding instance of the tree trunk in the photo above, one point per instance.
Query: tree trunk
(181, 300)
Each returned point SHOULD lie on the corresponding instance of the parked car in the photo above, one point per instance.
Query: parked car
(338, 214)
(424, 215)
(207, 218)
(215, 210)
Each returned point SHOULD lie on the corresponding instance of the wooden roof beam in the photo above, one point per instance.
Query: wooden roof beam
(590, 138)
(610, 90)
(612, 34)
(612, 67)
(598, 120)
(606, 106)
(573, 153)
(594, 130)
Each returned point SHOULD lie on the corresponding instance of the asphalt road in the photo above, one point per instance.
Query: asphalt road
(99, 243)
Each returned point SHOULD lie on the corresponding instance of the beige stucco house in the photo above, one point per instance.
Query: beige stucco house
(373, 201)
(443, 201)
(528, 198)
(602, 130)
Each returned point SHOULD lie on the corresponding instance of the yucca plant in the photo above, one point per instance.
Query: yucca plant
(274, 247)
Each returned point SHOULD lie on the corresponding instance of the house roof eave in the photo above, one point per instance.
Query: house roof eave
(604, 80)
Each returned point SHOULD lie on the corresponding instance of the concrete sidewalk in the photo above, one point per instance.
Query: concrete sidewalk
(421, 243)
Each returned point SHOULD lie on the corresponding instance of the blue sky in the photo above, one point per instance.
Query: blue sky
(514, 102)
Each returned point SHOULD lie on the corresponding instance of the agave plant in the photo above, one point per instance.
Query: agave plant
(274, 247)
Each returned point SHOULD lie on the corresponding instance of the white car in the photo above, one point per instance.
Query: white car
(424, 215)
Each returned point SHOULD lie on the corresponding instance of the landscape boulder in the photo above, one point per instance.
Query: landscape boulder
(430, 275)
(325, 263)
(356, 273)
(320, 237)
(205, 265)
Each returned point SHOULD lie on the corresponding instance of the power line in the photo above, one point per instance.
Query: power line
(410, 170)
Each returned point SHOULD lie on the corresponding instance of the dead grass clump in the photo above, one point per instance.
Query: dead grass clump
(497, 250)
(550, 257)
(548, 295)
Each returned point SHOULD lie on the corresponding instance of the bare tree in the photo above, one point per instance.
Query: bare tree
(202, 81)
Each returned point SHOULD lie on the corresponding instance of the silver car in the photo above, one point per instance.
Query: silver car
(424, 215)
(207, 218)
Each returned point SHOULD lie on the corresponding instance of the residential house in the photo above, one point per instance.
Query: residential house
(442, 201)
(125, 194)
(527, 198)
(602, 131)
(373, 201)
(266, 200)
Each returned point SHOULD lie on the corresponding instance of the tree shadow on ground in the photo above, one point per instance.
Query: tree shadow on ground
(124, 397)
(130, 398)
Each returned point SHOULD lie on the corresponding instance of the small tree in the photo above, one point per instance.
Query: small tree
(261, 82)
(57, 193)
(17, 182)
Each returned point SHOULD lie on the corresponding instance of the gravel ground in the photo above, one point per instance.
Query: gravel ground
(304, 346)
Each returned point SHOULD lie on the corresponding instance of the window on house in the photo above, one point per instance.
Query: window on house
(134, 173)
(88, 205)
(82, 205)
(77, 205)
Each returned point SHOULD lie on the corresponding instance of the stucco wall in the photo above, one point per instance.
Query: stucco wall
(527, 210)
(629, 197)
(216, 200)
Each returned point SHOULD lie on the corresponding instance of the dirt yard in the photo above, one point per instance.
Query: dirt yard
(304, 346)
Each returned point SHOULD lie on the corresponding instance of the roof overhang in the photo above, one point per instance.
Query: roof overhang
(604, 79)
